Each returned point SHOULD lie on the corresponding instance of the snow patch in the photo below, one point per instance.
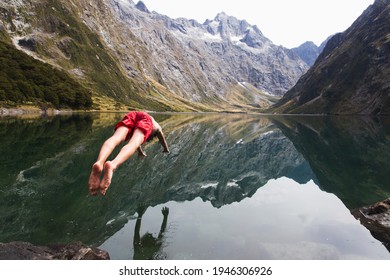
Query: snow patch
(209, 185)
(126, 3)
(235, 39)
(210, 37)
(233, 184)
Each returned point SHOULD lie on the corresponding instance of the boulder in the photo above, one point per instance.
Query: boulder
(376, 218)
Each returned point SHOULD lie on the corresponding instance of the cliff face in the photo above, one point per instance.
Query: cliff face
(352, 75)
(229, 51)
(126, 54)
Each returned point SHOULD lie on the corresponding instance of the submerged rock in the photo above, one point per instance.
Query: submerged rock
(19, 250)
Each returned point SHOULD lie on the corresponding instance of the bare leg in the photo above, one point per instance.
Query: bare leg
(125, 153)
(105, 151)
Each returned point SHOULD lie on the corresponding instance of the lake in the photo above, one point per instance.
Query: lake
(234, 186)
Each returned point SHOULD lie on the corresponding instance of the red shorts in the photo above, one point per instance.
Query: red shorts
(134, 120)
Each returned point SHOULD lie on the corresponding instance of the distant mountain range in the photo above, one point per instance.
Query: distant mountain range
(129, 57)
(352, 74)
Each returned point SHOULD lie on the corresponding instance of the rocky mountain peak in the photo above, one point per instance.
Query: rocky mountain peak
(221, 16)
(210, 48)
(229, 26)
(142, 7)
(308, 51)
(254, 38)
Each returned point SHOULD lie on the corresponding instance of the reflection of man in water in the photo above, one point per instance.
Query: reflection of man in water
(148, 247)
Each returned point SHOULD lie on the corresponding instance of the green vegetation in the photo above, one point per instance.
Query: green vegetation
(56, 34)
(24, 79)
(72, 45)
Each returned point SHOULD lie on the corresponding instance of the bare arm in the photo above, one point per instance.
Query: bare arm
(163, 142)
(165, 212)
(160, 135)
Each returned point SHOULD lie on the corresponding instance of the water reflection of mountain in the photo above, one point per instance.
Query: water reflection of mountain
(222, 159)
(31, 190)
(26, 141)
(349, 155)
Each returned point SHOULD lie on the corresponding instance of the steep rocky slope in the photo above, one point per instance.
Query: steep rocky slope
(128, 55)
(352, 75)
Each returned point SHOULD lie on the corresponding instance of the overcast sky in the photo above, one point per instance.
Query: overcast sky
(285, 22)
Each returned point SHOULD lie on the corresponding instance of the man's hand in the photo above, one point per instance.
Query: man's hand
(141, 153)
(165, 211)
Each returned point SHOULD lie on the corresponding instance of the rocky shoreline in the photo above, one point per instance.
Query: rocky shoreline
(19, 250)
(33, 111)
(376, 218)
(19, 110)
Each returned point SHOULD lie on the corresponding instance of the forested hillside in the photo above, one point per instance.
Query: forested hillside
(24, 79)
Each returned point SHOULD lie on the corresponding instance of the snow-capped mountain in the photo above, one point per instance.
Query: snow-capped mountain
(180, 64)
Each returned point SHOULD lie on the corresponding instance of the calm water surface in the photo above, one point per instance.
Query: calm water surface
(233, 187)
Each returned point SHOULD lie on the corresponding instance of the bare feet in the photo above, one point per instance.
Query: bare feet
(106, 181)
(94, 179)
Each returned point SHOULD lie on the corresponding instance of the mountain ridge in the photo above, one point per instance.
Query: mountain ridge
(351, 75)
(133, 58)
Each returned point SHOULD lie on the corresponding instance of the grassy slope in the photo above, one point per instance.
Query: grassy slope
(57, 35)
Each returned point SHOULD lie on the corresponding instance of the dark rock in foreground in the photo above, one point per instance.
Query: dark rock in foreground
(376, 218)
(19, 250)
